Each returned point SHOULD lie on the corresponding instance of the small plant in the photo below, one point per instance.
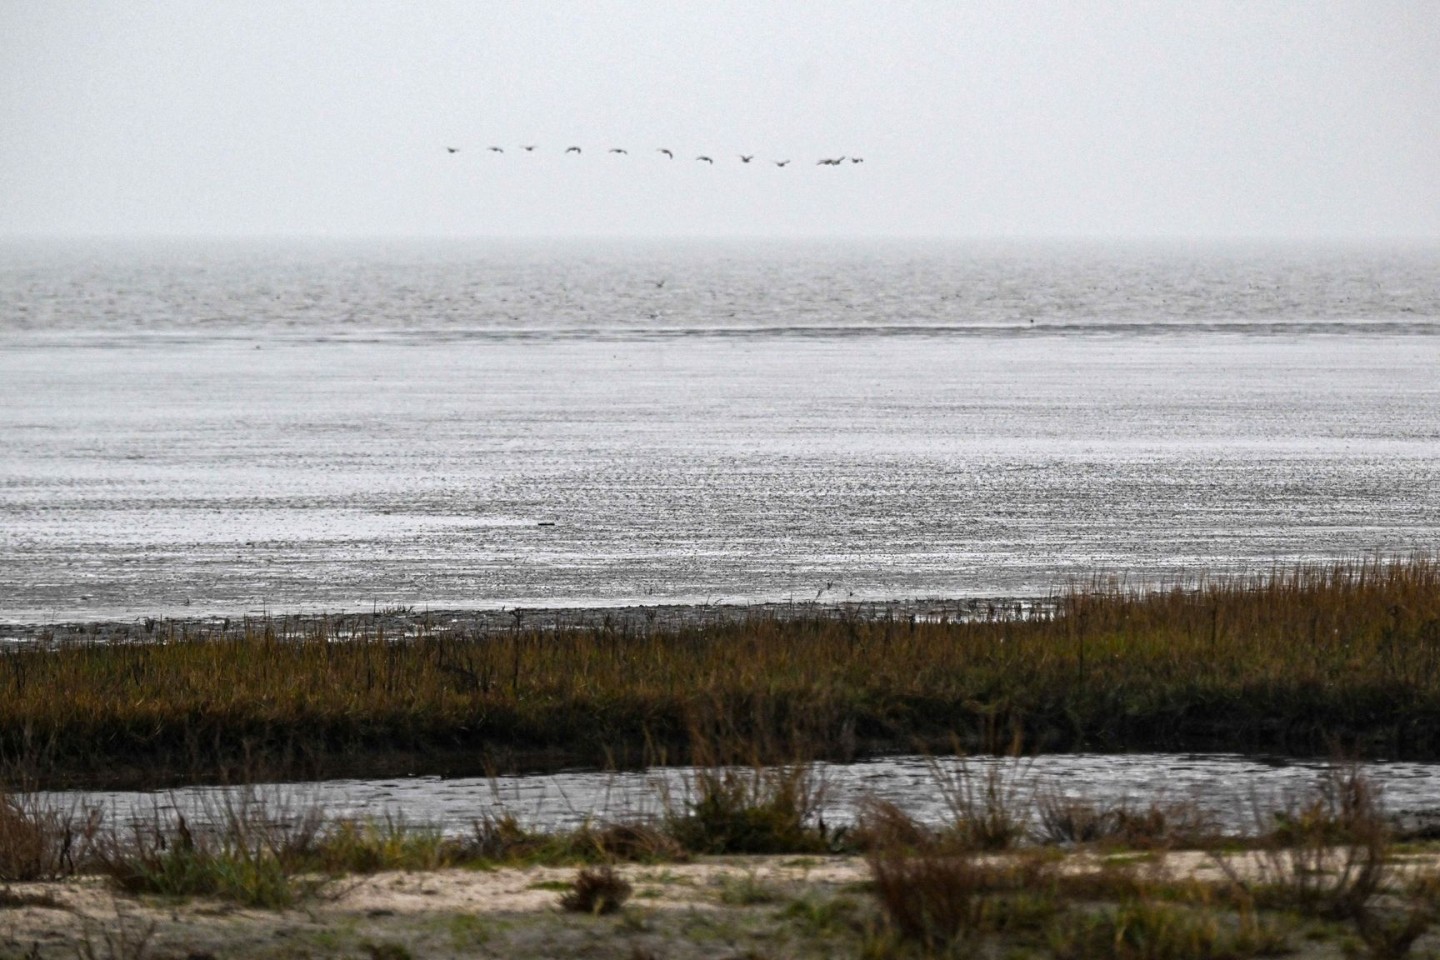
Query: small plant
(1327, 857)
(1390, 934)
(368, 846)
(38, 842)
(250, 854)
(630, 842)
(468, 932)
(1065, 820)
(938, 898)
(746, 890)
(596, 890)
(757, 810)
(989, 812)
(1146, 931)
(388, 950)
(882, 825)
(819, 916)
(129, 938)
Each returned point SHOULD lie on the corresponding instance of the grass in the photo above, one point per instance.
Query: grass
(596, 890)
(1320, 871)
(39, 841)
(749, 810)
(1297, 661)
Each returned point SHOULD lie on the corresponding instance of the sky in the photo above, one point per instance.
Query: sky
(1315, 119)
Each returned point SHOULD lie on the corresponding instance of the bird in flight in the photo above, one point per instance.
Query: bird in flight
(497, 149)
(781, 163)
(857, 159)
(452, 149)
(529, 148)
(746, 158)
(666, 152)
(706, 159)
(572, 149)
(619, 150)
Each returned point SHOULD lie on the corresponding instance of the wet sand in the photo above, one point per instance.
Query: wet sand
(412, 622)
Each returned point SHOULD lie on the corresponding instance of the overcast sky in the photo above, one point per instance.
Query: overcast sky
(1003, 118)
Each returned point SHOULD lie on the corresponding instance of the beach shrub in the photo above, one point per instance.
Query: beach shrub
(596, 890)
(754, 810)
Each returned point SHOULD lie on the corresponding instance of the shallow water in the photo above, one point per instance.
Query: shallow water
(1239, 792)
(190, 429)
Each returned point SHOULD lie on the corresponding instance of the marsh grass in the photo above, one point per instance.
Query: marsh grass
(1296, 661)
(989, 810)
(246, 851)
(596, 890)
(1326, 855)
(1154, 930)
(1329, 856)
(41, 841)
(1122, 823)
(753, 810)
(350, 845)
(500, 840)
(746, 889)
(938, 887)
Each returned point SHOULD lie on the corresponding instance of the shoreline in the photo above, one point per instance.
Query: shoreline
(411, 620)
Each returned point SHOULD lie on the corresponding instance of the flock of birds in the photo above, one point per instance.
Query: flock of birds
(744, 157)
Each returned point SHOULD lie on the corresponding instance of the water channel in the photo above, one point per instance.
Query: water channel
(1238, 792)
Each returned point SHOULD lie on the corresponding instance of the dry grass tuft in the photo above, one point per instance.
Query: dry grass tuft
(40, 842)
(596, 890)
(1153, 826)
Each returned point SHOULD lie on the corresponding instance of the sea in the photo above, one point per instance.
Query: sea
(196, 428)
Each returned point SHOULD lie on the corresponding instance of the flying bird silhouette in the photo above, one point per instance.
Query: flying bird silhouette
(452, 149)
(706, 159)
(857, 159)
(619, 150)
(529, 148)
(497, 149)
(666, 152)
(572, 149)
(781, 163)
(746, 159)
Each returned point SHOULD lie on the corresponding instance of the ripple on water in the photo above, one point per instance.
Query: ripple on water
(1234, 789)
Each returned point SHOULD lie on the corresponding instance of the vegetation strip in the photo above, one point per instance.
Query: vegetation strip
(1322, 877)
(1300, 661)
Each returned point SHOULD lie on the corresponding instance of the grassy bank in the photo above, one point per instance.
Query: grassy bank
(1303, 661)
(741, 868)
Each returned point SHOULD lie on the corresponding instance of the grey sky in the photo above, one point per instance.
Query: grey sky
(1306, 119)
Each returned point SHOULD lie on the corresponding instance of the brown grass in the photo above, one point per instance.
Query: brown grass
(596, 890)
(40, 841)
(1298, 661)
